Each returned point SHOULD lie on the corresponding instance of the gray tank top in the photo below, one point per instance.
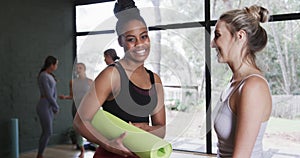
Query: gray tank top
(225, 124)
(80, 88)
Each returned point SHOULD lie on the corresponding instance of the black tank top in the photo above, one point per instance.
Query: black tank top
(133, 104)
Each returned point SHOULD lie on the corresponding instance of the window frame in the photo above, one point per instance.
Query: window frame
(207, 24)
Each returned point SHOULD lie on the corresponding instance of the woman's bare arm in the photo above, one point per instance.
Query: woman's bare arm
(253, 108)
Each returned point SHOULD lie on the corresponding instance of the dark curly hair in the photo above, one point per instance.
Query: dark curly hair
(125, 10)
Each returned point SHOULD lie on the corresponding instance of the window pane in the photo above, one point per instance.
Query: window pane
(95, 17)
(98, 17)
(280, 62)
(220, 76)
(182, 11)
(90, 51)
(278, 7)
(182, 67)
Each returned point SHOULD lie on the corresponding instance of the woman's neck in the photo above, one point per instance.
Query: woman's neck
(131, 66)
(49, 70)
(81, 76)
(242, 71)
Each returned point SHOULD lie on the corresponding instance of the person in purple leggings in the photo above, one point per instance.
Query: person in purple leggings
(47, 105)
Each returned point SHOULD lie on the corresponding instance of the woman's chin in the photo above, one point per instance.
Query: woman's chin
(220, 60)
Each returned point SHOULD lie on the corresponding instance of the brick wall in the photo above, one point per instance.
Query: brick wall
(31, 30)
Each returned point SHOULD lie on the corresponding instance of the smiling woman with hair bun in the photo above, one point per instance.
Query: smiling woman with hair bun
(245, 105)
(126, 88)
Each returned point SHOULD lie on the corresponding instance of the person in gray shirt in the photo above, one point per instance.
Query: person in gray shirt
(78, 88)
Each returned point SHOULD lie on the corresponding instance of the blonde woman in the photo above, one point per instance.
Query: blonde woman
(245, 105)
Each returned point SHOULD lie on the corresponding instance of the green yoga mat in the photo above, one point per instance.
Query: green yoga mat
(142, 143)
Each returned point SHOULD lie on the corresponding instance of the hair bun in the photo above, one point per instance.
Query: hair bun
(122, 5)
(261, 14)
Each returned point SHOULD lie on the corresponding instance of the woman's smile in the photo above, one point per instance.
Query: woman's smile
(141, 52)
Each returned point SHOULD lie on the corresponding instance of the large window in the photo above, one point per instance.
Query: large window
(275, 7)
(100, 16)
(181, 61)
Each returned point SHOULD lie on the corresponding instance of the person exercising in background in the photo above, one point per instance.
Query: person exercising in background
(47, 105)
(79, 86)
(110, 56)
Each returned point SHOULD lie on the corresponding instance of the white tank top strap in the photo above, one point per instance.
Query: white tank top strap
(257, 75)
(243, 80)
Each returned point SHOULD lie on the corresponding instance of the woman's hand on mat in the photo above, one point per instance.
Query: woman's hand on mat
(116, 146)
(143, 126)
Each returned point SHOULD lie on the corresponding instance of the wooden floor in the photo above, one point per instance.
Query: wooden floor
(68, 151)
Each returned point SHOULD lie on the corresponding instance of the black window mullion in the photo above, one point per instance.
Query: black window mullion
(86, 2)
(208, 76)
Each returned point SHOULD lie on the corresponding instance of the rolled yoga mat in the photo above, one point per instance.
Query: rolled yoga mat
(142, 143)
(14, 138)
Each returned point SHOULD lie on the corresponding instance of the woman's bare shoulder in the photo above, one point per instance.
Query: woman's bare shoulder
(156, 78)
(256, 82)
(108, 77)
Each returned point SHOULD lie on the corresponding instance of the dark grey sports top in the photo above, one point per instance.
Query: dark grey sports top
(133, 104)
